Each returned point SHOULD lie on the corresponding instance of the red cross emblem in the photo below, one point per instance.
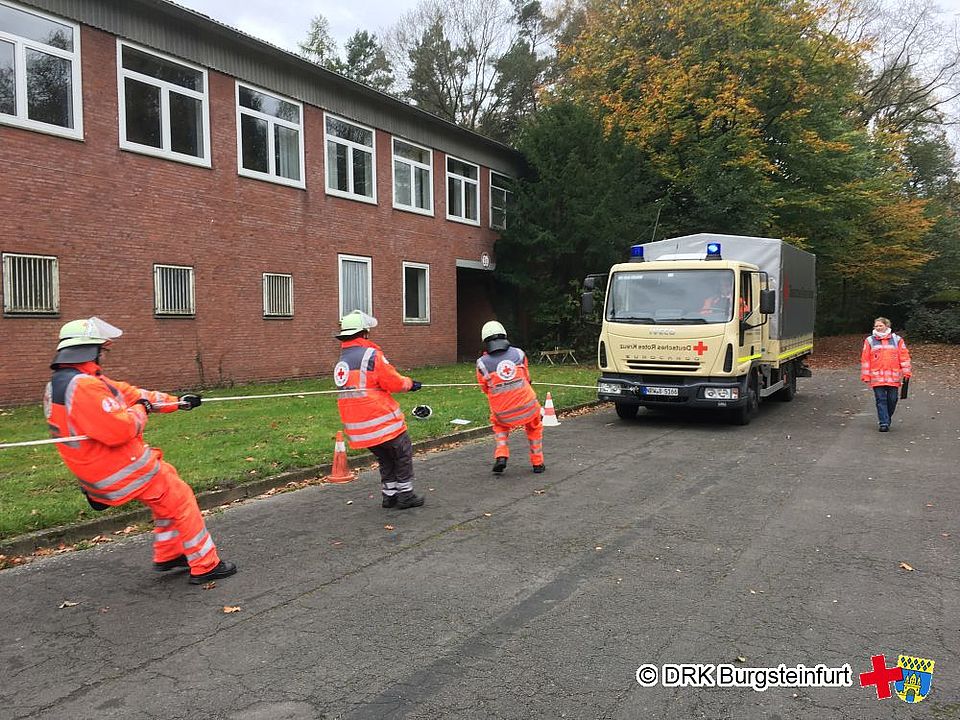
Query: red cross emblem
(341, 373)
(700, 348)
(881, 676)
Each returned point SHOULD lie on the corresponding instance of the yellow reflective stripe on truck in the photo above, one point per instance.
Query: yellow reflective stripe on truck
(749, 357)
(795, 351)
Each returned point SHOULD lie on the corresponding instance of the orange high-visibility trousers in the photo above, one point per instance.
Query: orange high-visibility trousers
(178, 525)
(534, 430)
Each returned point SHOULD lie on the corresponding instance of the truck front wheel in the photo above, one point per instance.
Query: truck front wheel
(744, 414)
(626, 411)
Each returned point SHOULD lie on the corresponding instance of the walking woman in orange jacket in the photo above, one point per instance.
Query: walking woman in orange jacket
(884, 365)
(370, 415)
(504, 376)
(113, 464)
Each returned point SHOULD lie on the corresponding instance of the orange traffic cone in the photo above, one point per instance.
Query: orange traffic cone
(549, 414)
(340, 473)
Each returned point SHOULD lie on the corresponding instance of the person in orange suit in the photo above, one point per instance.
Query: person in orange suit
(113, 464)
(371, 417)
(884, 366)
(504, 376)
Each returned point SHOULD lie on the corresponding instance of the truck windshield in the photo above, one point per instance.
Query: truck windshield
(671, 297)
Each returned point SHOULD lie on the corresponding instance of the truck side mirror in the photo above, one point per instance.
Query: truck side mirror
(586, 302)
(590, 283)
(768, 302)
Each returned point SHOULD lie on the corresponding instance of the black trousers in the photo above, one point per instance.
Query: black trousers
(396, 464)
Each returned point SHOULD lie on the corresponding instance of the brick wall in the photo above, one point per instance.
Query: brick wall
(109, 215)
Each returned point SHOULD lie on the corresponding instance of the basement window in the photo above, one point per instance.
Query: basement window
(31, 284)
(173, 291)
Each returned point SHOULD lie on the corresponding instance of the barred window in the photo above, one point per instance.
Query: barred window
(277, 295)
(173, 292)
(31, 284)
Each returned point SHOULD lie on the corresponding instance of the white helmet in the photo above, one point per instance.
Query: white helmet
(81, 340)
(494, 336)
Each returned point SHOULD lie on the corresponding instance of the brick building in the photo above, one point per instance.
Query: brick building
(224, 202)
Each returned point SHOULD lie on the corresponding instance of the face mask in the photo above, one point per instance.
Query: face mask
(882, 333)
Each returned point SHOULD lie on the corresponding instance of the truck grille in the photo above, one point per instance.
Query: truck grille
(663, 365)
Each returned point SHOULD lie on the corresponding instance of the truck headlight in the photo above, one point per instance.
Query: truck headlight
(609, 388)
(721, 393)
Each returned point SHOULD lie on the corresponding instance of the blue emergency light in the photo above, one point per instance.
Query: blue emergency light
(713, 251)
(636, 253)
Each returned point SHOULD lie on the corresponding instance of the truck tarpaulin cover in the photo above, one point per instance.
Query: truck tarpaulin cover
(792, 273)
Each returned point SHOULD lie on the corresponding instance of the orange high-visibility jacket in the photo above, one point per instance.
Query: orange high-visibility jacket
(505, 378)
(884, 361)
(369, 413)
(115, 463)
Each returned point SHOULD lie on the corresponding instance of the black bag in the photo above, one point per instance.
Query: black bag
(904, 388)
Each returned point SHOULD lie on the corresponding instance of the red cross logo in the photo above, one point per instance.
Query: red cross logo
(700, 348)
(881, 676)
(341, 373)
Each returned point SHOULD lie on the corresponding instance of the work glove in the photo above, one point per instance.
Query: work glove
(98, 506)
(189, 402)
(147, 405)
(416, 386)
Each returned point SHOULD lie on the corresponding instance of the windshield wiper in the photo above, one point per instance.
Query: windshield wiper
(681, 321)
(635, 318)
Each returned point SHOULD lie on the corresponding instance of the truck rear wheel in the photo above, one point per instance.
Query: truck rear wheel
(626, 411)
(790, 386)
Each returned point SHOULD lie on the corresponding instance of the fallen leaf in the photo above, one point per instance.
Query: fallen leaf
(104, 610)
(906, 566)
(349, 502)
(388, 527)
(946, 535)
(337, 543)
(930, 505)
(488, 514)
(67, 604)
(227, 609)
(741, 658)
(539, 492)
(210, 585)
(127, 530)
(599, 547)
(753, 592)
(250, 459)
(101, 539)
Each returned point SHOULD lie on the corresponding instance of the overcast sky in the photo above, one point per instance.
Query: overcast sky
(286, 23)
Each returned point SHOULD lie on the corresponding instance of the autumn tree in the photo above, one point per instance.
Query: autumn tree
(747, 111)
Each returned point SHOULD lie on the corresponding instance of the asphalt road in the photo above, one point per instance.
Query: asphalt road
(661, 540)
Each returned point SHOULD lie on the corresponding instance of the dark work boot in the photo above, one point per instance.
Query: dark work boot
(388, 501)
(407, 500)
(224, 569)
(499, 465)
(539, 468)
(178, 562)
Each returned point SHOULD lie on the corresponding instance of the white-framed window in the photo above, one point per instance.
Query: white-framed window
(173, 292)
(412, 177)
(351, 159)
(40, 72)
(164, 106)
(416, 292)
(269, 137)
(277, 295)
(463, 191)
(356, 280)
(31, 284)
(500, 199)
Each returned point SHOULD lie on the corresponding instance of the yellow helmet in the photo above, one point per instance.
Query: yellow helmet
(92, 331)
(354, 323)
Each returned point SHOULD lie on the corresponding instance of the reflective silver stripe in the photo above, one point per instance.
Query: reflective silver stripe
(165, 535)
(363, 367)
(129, 489)
(122, 472)
(523, 410)
(514, 419)
(507, 386)
(379, 433)
(373, 423)
(196, 539)
(68, 404)
(404, 487)
(483, 369)
(163, 522)
(353, 394)
(207, 547)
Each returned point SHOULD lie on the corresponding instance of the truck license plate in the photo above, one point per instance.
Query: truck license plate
(660, 391)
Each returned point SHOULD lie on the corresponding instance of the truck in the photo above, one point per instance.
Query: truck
(712, 321)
